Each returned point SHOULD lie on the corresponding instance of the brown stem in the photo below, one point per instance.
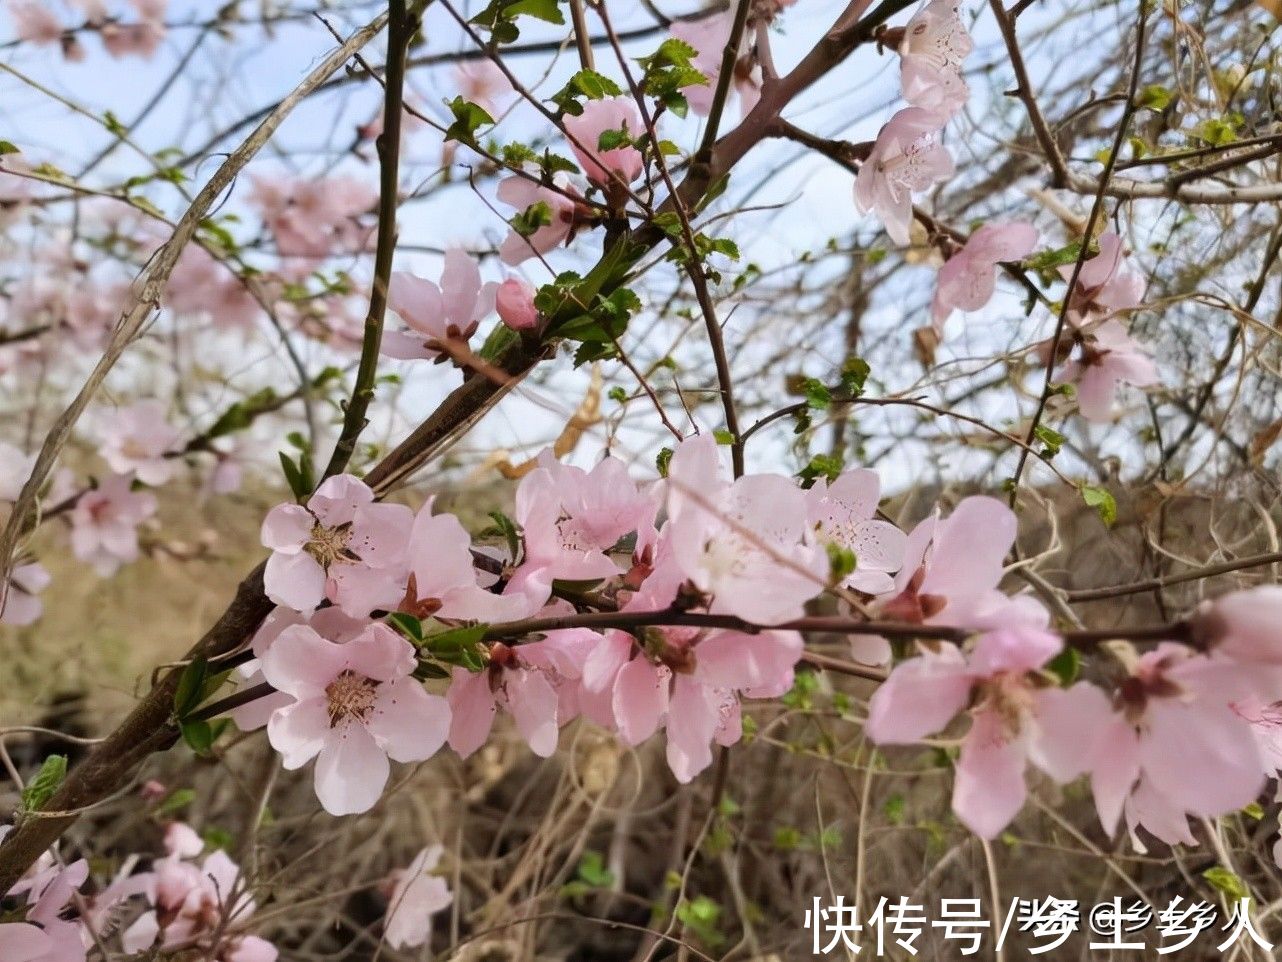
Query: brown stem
(400, 30)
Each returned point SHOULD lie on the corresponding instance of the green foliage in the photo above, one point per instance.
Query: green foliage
(826, 466)
(468, 119)
(499, 18)
(854, 375)
(590, 875)
(842, 561)
(1226, 881)
(7, 147)
(701, 916)
(1051, 439)
(38, 791)
(1102, 501)
(584, 85)
(668, 71)
(662, 460)
(1065, 666)
(242, 414)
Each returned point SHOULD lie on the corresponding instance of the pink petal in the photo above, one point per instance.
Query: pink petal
(336, 500)
(640, 699)
(472, 711)
(408, 723)
(533, 703)
(295, 581)
(379, 534)
(351, 771)
(287, 528)
(298, 731)
(989, 788)
(921, 696)
(303, 663)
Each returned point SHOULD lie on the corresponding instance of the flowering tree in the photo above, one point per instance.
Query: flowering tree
(859, 478)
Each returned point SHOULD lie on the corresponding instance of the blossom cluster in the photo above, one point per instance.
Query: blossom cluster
(1181, 730)
(138, 33)
(192, 898)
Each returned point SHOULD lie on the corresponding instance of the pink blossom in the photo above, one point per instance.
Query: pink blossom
(1108, 358)
(1015, 720)
(356, 705)
(619, 166)
(709, 36)
(35, 22)
(313, 218)
(141, 39)
(330, 623)
(515, 302)
(524, 194)
(572, 519)
(525, 691)
(934, 46)
(417, 895)
(741, 544)
(968, 278)
(45, 936)
(1243, 625)
(1105, 285)
(343, 546)
(104, 523)
(437, 314)
(137, 439)
(21, 606)
(953, 566)
(444, 581)
(95, 11)
(482, 82)
(1176, 746)
(906, 158)
(188, 901)
(842, 514)
(249, 948)
(199, 286)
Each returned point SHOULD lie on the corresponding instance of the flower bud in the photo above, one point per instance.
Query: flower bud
(515, 300)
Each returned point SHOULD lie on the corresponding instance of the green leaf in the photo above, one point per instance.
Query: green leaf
(407, 625)
(38, 791)
(894, 809)
(191, 687)
(1227, 882)
(1051, 438)
(817, 394)
(1049, 259)
(854, 375)
(6, 147)
(1255, 810)
(468, 118)
(1154, 97)
(723, 436)
(1102, 501)
(1065, 666)
(662, 460)
(298, 474)
(841, 562)
(176, 801)
(458, 646)
(587, 84)
(201, 735)
(546, 10)
(506, 527)
(824, 466)
(242, 414)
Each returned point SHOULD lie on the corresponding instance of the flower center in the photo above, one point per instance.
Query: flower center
(328, 545)
(351, 697)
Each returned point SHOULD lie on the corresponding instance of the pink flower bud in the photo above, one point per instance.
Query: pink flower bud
(515, 302)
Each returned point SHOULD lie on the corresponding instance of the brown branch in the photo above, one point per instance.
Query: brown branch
(400, 31)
